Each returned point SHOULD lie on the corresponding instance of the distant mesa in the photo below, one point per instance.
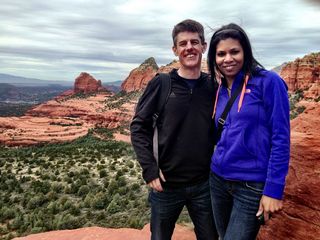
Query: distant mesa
(85, 83)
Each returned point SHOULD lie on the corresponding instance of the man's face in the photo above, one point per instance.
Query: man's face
(189, 49)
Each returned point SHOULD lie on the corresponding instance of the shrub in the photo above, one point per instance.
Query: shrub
(113, 207)
(36, 201)
(7, 213)
(57, 187)
(103, 173)
(135, 186)
(100, 201)
(83, 190)
(69, 222)
(53, 208)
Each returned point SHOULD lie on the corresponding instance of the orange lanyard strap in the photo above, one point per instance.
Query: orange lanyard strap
(243, 91)
(241, 96)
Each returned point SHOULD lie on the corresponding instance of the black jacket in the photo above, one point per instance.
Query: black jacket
(184, 128)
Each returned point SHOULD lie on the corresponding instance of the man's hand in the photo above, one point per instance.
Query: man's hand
(268, 205)
(156, 184)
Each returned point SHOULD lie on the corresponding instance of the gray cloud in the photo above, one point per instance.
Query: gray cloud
(59, 39)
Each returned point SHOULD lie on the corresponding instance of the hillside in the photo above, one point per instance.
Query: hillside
(73, 183)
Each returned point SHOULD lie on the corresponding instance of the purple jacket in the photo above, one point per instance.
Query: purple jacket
(255, 142)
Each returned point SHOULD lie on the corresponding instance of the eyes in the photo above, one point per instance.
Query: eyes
(232, 52)
(193, 42)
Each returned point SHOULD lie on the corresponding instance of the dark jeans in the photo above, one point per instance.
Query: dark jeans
(235, 204)
(166, 207)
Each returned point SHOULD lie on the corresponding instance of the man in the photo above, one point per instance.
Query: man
(180, 177)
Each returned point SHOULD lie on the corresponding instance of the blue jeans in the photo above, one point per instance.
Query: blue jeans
(235, 204)
(166, 207)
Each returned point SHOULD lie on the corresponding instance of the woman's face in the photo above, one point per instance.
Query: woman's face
(229, 57)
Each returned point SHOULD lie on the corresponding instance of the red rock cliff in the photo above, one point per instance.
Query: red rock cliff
(300, 216)
(303, 74)
(85, 83)
(140, 76)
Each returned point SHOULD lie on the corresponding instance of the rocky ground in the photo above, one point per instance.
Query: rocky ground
(97, 233)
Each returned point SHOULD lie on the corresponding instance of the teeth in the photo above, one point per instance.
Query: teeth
(229, 67)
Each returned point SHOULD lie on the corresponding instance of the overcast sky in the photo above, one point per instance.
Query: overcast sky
(58, 39)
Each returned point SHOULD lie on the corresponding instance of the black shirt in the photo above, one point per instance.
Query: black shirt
(184, 127)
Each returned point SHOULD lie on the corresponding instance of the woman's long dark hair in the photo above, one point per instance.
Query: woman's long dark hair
(233, 31)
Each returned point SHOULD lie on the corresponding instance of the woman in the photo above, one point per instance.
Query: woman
(250, 162)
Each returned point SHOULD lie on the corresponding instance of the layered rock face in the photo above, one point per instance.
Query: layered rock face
(85, 83)
(139, 77)
(63, 120)
(66, 117)
(300, 216)
(303, 74)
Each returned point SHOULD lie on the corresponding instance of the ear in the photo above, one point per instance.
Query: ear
(175, 51)
(204, 47)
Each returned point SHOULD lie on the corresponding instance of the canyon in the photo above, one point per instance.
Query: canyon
(72, 114)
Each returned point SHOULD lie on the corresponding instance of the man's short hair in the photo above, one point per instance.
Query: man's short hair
(188, 25)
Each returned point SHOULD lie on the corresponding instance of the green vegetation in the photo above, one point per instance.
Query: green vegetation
(80, 95)
(120, 98)
(14, 109)
(294, 99)
(71, 185)
(104, 133)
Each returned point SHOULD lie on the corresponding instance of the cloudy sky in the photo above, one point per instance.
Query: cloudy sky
(58, 39)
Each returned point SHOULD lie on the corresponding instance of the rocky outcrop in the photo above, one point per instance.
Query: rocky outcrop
(300, 216)
(140, 76)
(26, 130)
(63, 120)
(98, 233)
(303, 74)
(167, 68)
(85, 83)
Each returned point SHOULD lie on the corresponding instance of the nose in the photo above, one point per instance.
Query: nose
(228, 58)
(189, 45)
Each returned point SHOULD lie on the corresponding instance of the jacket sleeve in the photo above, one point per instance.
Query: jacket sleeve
(142, 130)
(278, 111)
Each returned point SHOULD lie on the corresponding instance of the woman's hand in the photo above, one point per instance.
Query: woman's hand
(268, 205)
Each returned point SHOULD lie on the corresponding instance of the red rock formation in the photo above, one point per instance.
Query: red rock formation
(303, 74)
(85, 83)
(23, 131)
(65, 94)
(140, 76)
(300, 216)
(98, 233)
(63, 120)
(176, 64)
(167, 68)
